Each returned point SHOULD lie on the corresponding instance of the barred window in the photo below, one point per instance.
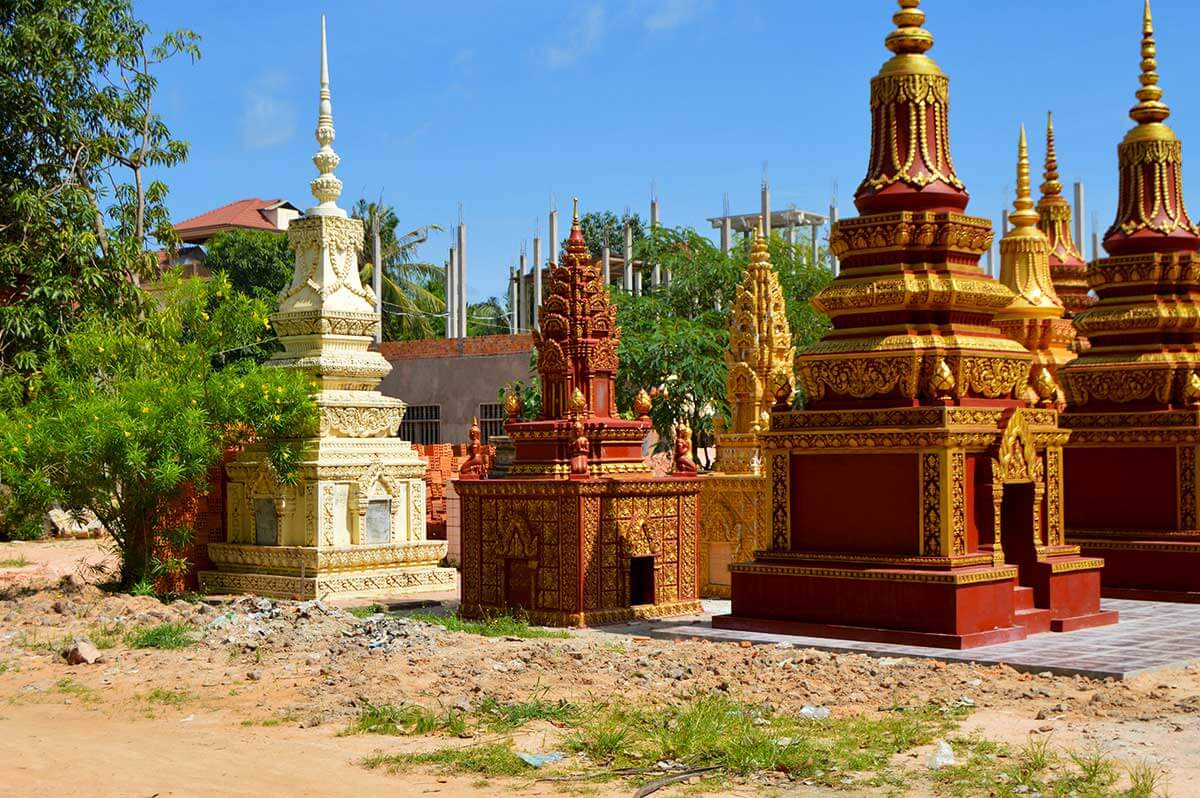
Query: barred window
(422, 424)
(491, 420)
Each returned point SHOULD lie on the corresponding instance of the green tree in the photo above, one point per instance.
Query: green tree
(605, 228)
(257, 262)
(78, 135)
(124, 413)
(410, 309)
(674, 336)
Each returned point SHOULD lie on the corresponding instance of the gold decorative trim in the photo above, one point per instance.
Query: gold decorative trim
(931, 503)
(904, 560)
(1172, 547)
(1187, 487)
(1070, 566)
(781, 506)
(935, 577)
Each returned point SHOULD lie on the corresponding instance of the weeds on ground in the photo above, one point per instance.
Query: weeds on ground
(169, 697)
(509, 715)
(105, 635)
(275, 720)
(165, 635)
(74, 689)
(495, 626)
(489, 759)
(367, 611)
(16, 562)
(989, 768)
(404, 720)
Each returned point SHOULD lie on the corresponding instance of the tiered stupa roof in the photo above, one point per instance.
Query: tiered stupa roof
(911, 308)
(1068, 269)
(1151, 216)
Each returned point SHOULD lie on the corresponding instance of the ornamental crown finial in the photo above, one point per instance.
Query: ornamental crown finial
(1023, 214)
(909, 37)
(1051, 187)
(576, 227)
(1150, 108)
(326, 188)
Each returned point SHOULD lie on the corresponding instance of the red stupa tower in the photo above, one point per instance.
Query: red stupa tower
(579, 532)
(1134, 396)
(917, 464)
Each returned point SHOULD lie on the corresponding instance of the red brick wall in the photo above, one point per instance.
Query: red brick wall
(444, 459)
(205, 514)
(457, 347)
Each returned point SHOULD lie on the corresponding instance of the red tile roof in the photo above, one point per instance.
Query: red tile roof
(247, 213)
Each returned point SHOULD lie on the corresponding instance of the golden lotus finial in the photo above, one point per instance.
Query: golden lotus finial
(578, 402)
(1023, 214)
(642, 403)
(909, 37)
(1051, 187)
(1150, 108)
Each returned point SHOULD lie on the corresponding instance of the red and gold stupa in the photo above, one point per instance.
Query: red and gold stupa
(1068, 269)
(579, 531)
(1134, 396)
(917, 464)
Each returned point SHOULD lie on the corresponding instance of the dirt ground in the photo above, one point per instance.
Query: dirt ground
(257, 705)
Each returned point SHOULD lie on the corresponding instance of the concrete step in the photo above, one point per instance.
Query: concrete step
(1034, 621)
(1022, 598)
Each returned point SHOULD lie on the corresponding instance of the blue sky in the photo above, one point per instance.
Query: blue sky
(499, 105)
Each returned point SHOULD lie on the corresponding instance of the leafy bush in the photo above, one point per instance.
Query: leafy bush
(165, 635)
(126, 413)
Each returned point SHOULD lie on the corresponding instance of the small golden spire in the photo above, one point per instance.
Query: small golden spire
(575, 210)
(1052, 187)
(909, 37)
(1023, 214)
(1150, 108)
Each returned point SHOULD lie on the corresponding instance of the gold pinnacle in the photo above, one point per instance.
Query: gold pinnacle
(1150, 107)
(909, 36)
(1023, 214)
(1052, 187)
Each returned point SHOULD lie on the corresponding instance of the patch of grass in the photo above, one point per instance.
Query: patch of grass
(165, 635)
(1144, 780)
(740, 739)
(489, 759)
(169, 697)
(367, 611)
(405, 720)
(15, 562)
(988, 768)
(105, 635)
(74, 689)
(6, 666)
(31, 640)
(275, 720)
(495, 626)
(506, 716)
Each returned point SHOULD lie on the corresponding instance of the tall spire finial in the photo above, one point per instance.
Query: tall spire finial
(1051, 187)
(1150, 108)
(576, 227)
(325, 187)
(909, 37)
(1023, 214)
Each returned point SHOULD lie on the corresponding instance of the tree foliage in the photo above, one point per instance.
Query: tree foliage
(674, 336)
(256, 262)
(124, 413)
(605, 228)
(78, 133)
(412, 309)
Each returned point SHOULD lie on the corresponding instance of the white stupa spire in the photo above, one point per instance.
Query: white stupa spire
(325, 187)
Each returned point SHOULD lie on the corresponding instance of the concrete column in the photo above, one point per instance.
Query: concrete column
(537, 280)
(1004, 223)
(766, 209)
(604, 266)
(553, 237)
(452, 295)
(816, 251)
(627, 254)
(791, 234)
(514, 313)
(655, 274)
(990, 260)
(461, 283)
(1096, 246)
(726, 235)
(834, 265)
(522, 296)
(1079, 217)
(637, 282)
(377, 283)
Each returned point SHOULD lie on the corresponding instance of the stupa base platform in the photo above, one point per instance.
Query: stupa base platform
(950, 608)
(646, 612)
(303, 572)
(1145, 565)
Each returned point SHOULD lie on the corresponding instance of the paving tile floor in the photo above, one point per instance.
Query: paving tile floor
(1151, 636)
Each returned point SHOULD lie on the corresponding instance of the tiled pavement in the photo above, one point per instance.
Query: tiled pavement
(1150, 636)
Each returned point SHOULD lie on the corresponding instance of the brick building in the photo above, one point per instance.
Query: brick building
(447, 381)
